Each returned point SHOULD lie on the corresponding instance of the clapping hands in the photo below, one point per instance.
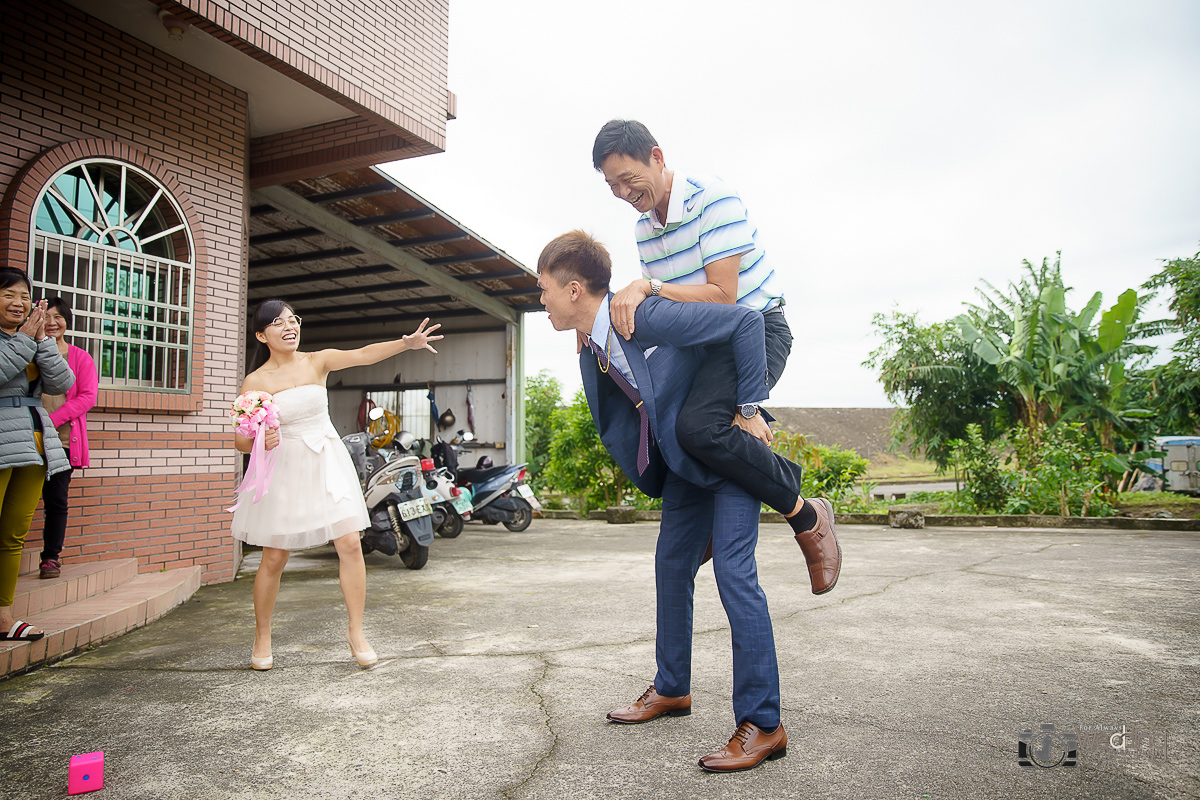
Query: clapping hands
(34, 325)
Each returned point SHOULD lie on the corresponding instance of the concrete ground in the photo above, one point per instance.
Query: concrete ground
(912, 679)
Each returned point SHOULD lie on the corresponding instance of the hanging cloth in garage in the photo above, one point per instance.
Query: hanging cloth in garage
(470, 407)
(433, 412)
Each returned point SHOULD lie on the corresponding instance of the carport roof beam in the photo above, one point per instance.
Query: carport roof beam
(367, 222)
(315, 277)
(404, 263)
(350, 291)
(373, 190)
(361, 320)
(376, 305)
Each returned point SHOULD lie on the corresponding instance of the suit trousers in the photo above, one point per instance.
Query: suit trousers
(704, 428)
(729, 516)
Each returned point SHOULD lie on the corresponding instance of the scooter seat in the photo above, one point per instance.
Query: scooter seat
(472, 475)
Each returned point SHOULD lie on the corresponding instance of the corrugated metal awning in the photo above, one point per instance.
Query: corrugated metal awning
(357, 250)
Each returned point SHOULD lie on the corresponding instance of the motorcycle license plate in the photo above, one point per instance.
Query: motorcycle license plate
(461, 504)
(414, 508)
(527, 493)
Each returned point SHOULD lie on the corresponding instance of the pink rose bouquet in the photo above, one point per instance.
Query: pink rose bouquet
(252, 414)
(252, 411)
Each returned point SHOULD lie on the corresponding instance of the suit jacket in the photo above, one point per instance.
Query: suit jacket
(680, 331)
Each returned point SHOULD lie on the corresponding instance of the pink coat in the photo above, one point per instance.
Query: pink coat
(81, 397)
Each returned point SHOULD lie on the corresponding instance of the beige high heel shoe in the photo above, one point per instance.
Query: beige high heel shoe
(366, 658)
(262, 664)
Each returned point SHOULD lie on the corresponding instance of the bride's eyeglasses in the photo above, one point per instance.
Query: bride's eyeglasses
(278, 322)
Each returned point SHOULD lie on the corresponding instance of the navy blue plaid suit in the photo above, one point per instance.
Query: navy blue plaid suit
(697, 503)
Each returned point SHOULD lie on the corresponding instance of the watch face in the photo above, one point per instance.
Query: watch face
(749, 411)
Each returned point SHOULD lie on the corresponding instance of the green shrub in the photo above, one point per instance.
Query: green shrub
(1061, 471)
(987, 486)
(543, 394)
(835, 472)
(829, 471)
(578, 464)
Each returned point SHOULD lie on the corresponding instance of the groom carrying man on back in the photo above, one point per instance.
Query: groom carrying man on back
(635, 389)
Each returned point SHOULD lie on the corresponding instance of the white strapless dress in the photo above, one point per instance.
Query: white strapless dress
(314, 496)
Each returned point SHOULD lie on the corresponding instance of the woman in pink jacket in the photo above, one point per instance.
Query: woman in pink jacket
(69, 414)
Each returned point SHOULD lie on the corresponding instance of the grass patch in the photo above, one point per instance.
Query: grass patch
(1148, 504)
(1129, 504)
(894, 466)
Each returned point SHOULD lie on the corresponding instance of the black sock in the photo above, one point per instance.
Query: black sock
(769, 731)
(805, 519)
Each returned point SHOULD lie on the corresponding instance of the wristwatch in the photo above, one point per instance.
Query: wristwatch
(749, 410)
(655, 287)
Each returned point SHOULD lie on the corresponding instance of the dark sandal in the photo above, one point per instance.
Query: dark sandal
(20, 632)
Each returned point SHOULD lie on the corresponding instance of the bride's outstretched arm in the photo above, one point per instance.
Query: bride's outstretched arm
(333, 360)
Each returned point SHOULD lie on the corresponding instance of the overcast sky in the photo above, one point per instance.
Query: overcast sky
(892, 154)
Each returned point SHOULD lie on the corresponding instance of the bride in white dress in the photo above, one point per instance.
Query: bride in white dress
(314, 495)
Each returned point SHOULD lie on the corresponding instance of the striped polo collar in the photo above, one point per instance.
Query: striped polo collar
(681, 191)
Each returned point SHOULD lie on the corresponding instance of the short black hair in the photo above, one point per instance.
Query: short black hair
(63, 308)
(576, 256)
(11, 276)
(626, 137)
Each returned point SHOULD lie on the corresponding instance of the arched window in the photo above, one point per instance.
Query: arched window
(111, 240)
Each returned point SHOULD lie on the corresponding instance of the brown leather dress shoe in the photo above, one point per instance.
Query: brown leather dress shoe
(821, 549)
(748, 748)
(650, 706)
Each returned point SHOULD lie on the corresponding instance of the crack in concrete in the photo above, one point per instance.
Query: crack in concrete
(548, 721)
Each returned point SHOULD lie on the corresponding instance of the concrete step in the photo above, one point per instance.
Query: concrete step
(29, 561)
(91, 620)
(77, 582)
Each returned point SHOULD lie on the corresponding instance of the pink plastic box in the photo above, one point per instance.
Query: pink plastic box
(86, 773)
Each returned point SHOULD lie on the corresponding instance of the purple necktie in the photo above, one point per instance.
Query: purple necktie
(645, 436)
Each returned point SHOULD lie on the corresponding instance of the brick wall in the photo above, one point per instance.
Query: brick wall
(158, 481)
(387, 57)
(332, 146)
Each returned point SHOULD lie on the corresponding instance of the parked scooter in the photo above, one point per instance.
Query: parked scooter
(451, 506)
(392, 484)
(498, 494)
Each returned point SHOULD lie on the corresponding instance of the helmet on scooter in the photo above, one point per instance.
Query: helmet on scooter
(485, 462)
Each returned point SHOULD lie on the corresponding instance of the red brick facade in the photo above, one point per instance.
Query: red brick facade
(73, 87)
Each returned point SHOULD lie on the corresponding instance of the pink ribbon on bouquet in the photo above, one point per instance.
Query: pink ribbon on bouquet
(253, 413)
(259, 472)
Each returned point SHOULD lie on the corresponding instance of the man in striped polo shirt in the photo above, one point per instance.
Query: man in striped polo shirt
(696, 243)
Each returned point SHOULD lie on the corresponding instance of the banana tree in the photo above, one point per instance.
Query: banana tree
(1058, 364)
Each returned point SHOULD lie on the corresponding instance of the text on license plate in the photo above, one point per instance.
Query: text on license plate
(461, 504)
(412, 509)
(527, 493)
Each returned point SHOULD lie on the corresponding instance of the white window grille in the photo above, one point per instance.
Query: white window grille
(111, 241)
(410, 405)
